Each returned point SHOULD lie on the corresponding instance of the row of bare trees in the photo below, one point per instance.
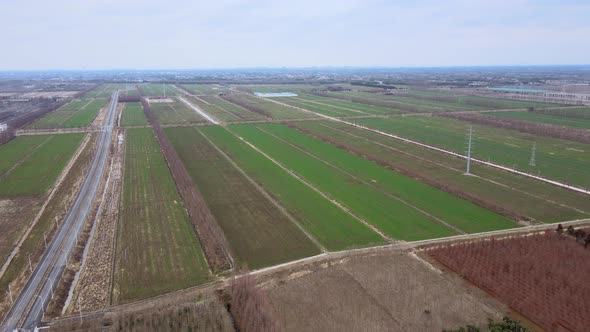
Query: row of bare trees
(249, 306)
(244, 104)
(543, 129)
(542, 276)
(415, 175)
(213, 241)
(129, 99)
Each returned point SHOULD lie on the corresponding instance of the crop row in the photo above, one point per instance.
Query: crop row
(258, 232)
(157, 249)
(400, 206)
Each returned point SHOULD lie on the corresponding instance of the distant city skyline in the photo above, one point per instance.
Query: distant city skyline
(108, 34)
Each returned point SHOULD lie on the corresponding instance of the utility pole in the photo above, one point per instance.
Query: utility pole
(533, 162)
(468, 172)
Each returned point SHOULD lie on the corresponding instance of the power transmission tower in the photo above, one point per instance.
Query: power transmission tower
(468, 171)
(532, 162)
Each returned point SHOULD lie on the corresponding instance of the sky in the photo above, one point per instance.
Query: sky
(171, 34)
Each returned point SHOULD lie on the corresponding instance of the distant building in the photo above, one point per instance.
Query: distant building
(3, 127)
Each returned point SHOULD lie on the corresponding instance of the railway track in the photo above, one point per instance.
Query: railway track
(27, 311)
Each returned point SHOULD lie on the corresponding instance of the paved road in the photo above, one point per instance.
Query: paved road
(27, 310)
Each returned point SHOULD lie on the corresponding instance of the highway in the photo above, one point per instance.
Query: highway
(27, 310)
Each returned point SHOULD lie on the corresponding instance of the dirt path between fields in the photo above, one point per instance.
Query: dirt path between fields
(91, 288)
(199, 111)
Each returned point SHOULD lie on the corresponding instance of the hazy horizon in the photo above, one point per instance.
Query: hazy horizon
(155, 35)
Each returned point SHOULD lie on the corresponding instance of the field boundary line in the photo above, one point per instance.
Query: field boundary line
(58, 183)
(200, 111)
(332, 200)
(265, 194)
(388, 194)
(487, 163)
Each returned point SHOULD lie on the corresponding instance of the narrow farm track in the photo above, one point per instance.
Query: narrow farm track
(487, 163)
(27, 310)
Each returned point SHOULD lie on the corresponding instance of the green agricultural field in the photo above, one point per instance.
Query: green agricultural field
(330, 225)
(30, 165)
(175, 113)
(569, 112)
(159, 90)
(131, 90)
(231, 112)
(279, 87)
(105, 90)
(556, 159)
(133, 115)
(258, 232)
(344, 104)
(518, 195)
(400, 206)
(77, 114)
(157, 248)
(272, 109)
(321, 108)
(425, 102)
(543, 118)
(203, 89)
